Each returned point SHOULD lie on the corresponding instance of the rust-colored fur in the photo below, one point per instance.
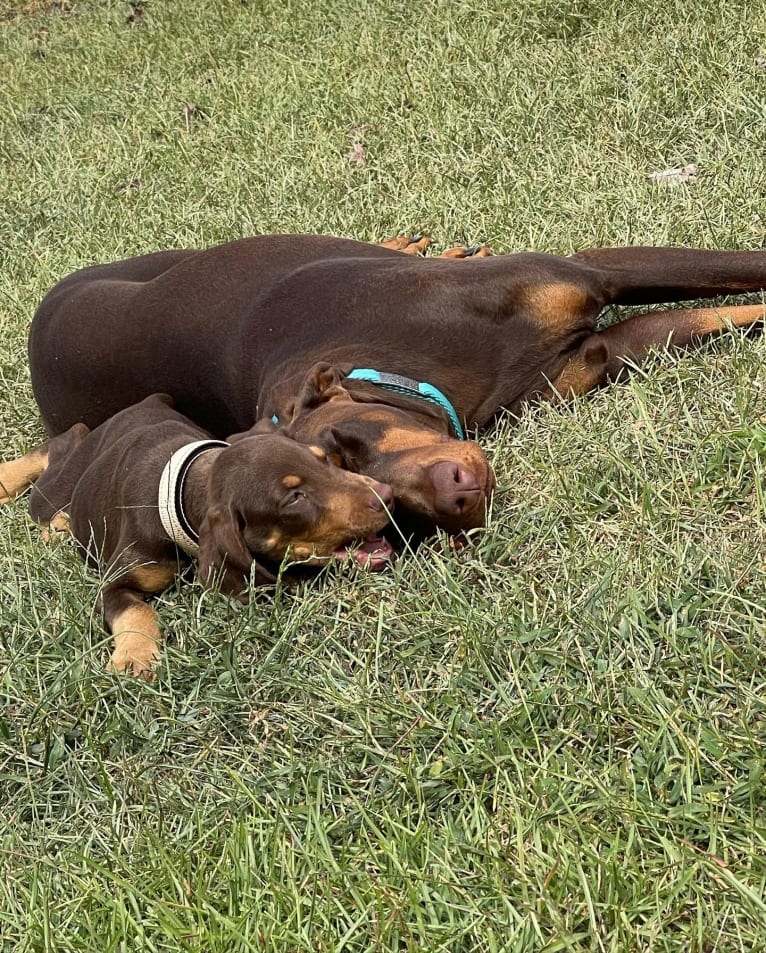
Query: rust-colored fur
(249, 515)
(272, 325)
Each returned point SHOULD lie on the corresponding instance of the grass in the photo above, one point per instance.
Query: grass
(552, 741)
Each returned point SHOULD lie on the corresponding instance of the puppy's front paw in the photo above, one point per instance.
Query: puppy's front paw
(57, 528)
(137, 656)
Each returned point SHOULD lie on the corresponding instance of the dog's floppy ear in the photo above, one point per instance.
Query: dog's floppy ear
(323, 383)
(224, 560)
(343, 447)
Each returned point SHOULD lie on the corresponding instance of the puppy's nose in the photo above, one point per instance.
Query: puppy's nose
(383, 496)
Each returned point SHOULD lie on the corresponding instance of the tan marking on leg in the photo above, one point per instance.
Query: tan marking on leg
(406, 245)
(711, 320)
(397, 243)
(586, 369)
(153, 577)
(137, 640)
(17, 475)
(579, 376)
(554, 303)
(460, 251)
(57, 528)
(418, 247)
(602, 357)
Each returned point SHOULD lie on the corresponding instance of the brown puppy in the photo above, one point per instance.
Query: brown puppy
(148, 489)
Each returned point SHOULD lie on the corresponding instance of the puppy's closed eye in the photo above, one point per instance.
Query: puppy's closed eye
(295, 497)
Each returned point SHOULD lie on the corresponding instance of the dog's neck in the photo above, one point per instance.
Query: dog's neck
(195, 490)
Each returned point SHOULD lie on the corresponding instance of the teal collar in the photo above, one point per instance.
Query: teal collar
(410, 388)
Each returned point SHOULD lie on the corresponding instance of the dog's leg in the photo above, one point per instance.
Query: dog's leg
(409, 245)
(136, 632)
(655, 275)
(59, 526)
(135, 624)
(602, 356)
(460, 251)
(417, 245)
(16, 475)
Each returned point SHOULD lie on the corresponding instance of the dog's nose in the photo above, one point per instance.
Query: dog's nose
(383, 496)
(457, 489)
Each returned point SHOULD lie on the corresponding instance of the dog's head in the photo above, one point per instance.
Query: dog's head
(271, 498)
(405, 442)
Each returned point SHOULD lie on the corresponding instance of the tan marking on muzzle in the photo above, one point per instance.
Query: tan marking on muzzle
(396, 439)
(346, 515)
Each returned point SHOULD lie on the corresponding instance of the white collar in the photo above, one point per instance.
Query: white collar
(171, 494)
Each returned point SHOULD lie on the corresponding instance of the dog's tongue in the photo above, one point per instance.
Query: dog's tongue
(373, 553)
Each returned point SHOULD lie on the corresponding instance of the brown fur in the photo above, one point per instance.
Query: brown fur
(273, 324)
(243, 499)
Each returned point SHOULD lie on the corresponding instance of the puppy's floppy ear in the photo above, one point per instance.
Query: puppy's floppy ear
(223, 557)
(323, 383)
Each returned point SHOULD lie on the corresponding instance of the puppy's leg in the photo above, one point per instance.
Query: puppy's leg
(59, 526)
(136, 632)
(133, 623)
(602, 356)
(17, 475)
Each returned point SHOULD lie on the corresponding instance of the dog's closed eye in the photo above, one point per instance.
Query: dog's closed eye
(295, 497)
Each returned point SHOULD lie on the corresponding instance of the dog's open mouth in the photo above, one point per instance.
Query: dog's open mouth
(373, 553)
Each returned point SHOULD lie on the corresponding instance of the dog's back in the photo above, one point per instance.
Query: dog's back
(90, 473)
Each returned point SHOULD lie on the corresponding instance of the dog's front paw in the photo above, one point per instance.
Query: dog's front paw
(409, 244)
(56, 529)
(137, 656)
(460, 251)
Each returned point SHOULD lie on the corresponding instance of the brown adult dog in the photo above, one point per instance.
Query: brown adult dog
(249, 504)
(272, 326)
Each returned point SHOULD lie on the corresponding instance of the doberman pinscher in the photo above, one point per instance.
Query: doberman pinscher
(148, 489)
(377, 356)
